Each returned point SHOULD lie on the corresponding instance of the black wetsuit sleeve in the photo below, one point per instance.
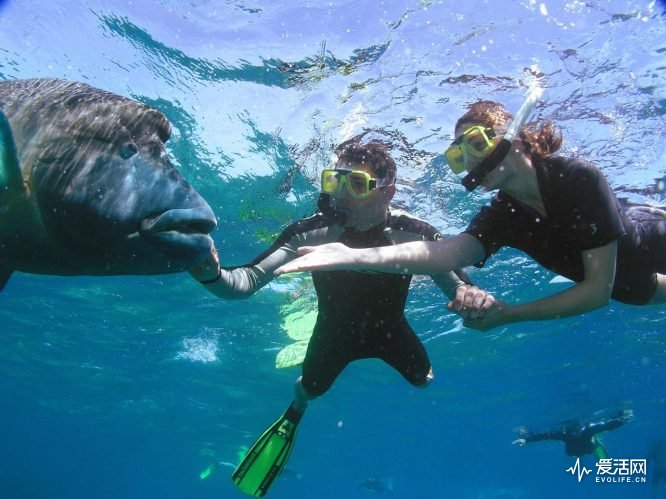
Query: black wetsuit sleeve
(606, 425)
(546, 435)
(243, 281)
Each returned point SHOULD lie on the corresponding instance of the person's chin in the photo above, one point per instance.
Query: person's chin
(342, 209)
(353, 222)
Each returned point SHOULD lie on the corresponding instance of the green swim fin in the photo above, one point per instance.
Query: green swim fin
(268, 455)
(599, 451)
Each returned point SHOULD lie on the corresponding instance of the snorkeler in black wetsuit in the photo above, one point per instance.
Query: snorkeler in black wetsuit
(360, 314)
(579, 437)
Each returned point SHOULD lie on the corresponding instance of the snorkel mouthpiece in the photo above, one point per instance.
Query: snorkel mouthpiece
(325, 205)
(474, 178)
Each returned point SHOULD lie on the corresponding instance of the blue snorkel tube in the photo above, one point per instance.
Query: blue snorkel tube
(474, 178)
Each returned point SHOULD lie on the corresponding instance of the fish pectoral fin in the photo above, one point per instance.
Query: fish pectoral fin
(10, 170)
(5, 274)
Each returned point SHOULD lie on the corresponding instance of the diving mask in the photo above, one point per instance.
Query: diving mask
(476, 140)
(359, 183)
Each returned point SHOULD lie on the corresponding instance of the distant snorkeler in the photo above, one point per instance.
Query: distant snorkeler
(560, 211)
(376, 485)
(580, 437)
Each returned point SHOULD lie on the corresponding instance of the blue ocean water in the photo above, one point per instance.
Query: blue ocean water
(131, 386)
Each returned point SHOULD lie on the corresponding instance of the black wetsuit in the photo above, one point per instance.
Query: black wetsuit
(360, 314)
(582, 213)
(578, 437)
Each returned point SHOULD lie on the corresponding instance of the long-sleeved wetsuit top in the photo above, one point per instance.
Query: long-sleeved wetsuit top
(360, 314)
(578, 437)
(582, 213)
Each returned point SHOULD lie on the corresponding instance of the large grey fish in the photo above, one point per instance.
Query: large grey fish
(87, 187)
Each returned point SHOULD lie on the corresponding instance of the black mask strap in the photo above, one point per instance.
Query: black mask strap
(474, 178)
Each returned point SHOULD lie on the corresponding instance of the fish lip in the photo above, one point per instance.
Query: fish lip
(181, 220)
(181, 234)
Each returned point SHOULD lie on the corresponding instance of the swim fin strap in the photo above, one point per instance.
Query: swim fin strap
(268, 455)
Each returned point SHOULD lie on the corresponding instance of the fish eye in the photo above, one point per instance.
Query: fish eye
(128, 150)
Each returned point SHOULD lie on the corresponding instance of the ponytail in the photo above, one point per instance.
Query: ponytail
(540, 143)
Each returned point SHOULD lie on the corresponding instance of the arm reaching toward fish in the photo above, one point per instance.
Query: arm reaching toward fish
(331, 256)
(419, 257)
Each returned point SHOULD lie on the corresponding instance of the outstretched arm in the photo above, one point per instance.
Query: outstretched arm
(610, 423)
(243, 281)
(231, 283)
(527, 436)
(420, 257)
(592, 292)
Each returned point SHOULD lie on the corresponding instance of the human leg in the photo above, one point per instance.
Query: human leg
(325, 358)
(301, 396)
(403, 350)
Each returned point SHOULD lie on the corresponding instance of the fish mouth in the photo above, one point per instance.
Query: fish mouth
(181, 234)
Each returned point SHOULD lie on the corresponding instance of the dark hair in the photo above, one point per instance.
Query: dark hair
(373, 153)
(538, 142)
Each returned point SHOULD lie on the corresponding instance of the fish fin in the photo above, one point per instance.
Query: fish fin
(5, 274)
(268, 455)
(10, 171)
(10, 176)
